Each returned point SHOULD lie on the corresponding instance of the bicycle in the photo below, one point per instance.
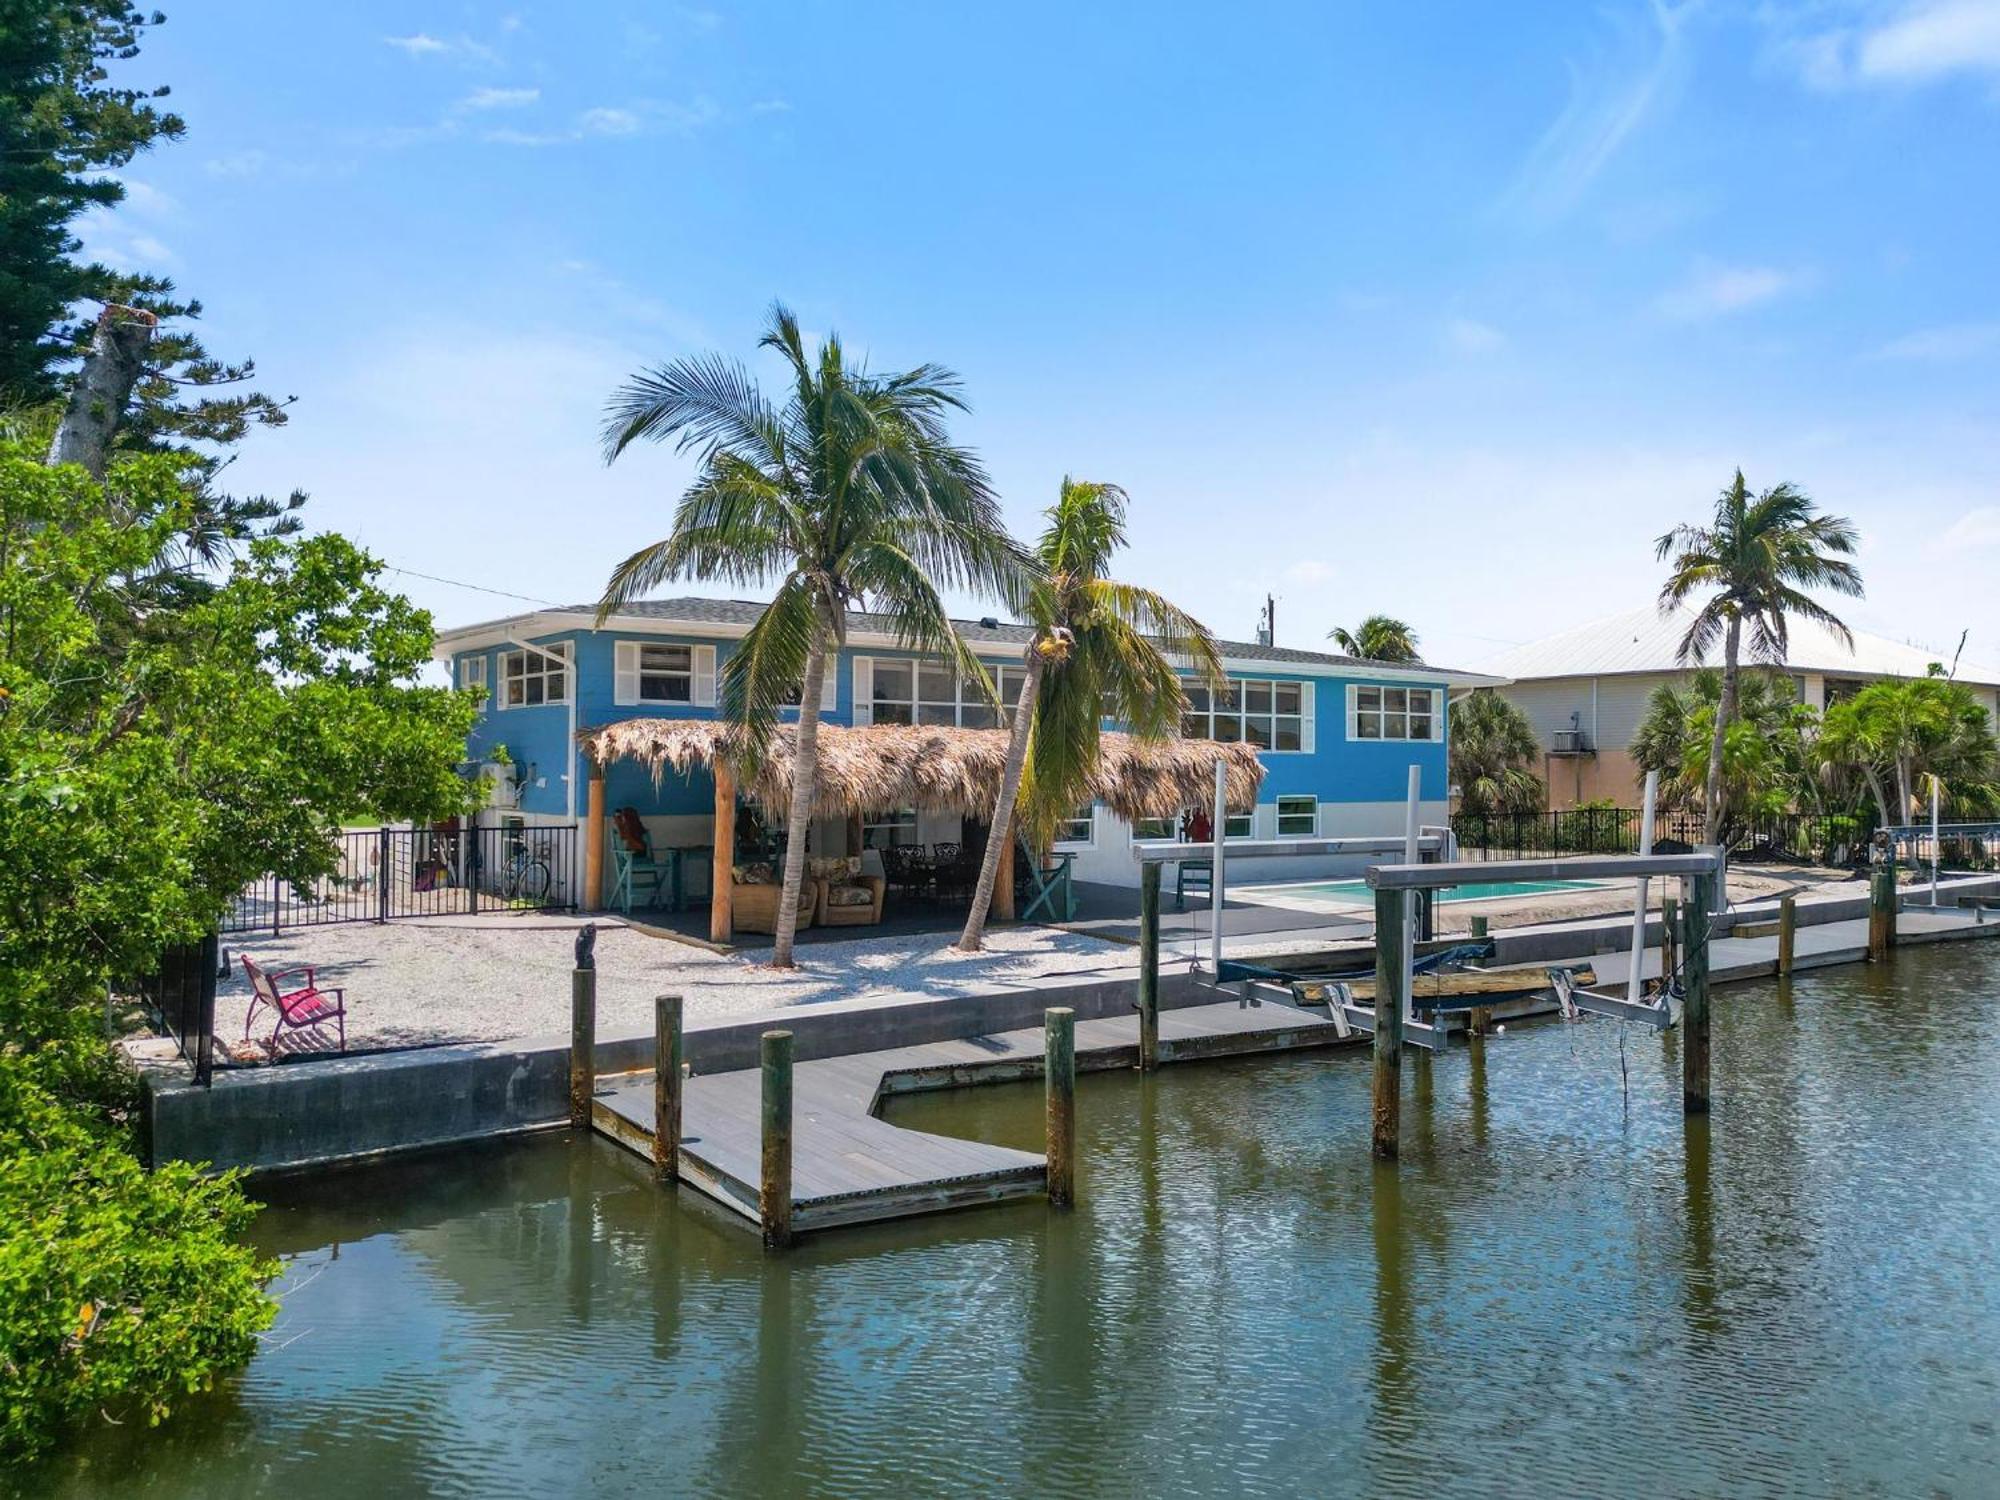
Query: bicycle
(526, 877)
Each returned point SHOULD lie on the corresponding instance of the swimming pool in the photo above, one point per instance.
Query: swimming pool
(1488, 890)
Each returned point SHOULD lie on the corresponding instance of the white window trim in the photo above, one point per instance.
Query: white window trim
(1436, 735)
(1079, 845)
(472, 671)
(864, 688)
(1278, 815)
(1307, 715)
(625, 676)
(563, 651)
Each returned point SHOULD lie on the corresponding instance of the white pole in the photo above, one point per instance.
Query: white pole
(1215, 875)
(1634, 981)
(1413, 835)
(1936, 848)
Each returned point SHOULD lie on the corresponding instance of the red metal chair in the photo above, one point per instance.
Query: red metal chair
(300, 1009)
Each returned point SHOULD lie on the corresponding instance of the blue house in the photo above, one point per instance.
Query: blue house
(1337, 735)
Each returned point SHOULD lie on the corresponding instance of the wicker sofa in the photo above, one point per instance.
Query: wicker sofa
(754, 905)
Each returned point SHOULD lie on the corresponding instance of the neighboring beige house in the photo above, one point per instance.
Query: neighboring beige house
(1586, 689)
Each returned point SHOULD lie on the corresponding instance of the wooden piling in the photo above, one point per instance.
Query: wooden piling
(1788, 931)
(722, 866)
(582, 1044)
(1059, 1070)
(1149, 967)
(593, 839)
(1881, 910)
(1391, 936)
(1670, 923)
(668, 1086)
(1694, 1019)
(1480, 928)
(774, 1194)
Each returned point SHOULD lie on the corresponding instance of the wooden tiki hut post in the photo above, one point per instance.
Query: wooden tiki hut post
(722, 878)
(593, 838)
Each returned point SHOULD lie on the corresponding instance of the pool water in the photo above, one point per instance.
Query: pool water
(1362, 891)
(1565, 1288)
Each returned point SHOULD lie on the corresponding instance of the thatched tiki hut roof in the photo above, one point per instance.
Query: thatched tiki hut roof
(880, 767)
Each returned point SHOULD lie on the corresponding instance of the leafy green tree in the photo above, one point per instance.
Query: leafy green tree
(63, 127)
(850, 490)
(1678, 728)
(1493, 750)
(1100, 649)
(150, 766)
(1899, 731)
(1753, 561)
(1377, 638)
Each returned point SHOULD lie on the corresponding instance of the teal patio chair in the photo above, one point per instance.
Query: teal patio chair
(1051, 892)
(639, 876)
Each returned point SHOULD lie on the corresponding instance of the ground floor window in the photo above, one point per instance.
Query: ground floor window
(1298, 817)
(1239, 826)
(881, 830)
(1077, 829)
(1157, 828)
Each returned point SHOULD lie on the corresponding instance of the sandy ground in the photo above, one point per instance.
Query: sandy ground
(449, 979)
(427, 981)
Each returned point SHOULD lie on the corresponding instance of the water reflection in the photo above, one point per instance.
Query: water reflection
(1243, 1301)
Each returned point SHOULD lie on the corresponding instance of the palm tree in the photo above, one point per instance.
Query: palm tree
(1492, 746)
(1758, 555)
(1100, 649)
(1771, 759)
(1378, 638)
(1901, 730)
(849, 490)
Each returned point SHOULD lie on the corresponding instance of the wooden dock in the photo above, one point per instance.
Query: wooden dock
(852, 1167)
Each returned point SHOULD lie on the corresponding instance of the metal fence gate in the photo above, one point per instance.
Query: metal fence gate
(387, 873)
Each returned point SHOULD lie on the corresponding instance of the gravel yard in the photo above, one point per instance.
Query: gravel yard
(456, 979)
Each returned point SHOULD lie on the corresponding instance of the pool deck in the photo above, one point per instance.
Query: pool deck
(849, 1166)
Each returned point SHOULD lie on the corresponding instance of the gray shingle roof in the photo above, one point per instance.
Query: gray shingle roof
(746, 611)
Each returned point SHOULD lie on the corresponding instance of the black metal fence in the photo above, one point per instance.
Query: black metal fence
(1964, 847)
(1792, 838)
(181, 997)
(387, 873)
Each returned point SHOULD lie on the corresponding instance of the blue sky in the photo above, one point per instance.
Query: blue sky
(1440, 310)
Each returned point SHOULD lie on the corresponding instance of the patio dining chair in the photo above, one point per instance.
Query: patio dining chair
(636, 870)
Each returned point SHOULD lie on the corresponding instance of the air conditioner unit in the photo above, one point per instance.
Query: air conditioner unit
(501, 791)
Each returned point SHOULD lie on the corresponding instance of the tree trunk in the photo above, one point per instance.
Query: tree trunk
(1711, 822)
(1002, 828)
(103, 388)
(805, 796)
(1881, 800)
(1905, 793)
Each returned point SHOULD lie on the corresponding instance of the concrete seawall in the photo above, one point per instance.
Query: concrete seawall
(349, 1108)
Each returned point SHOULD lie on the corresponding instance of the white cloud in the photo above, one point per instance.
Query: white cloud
(1712, 290)
(147, 201)
(608, 122)
(1309, 570)
(771, 107)
(463, 48)
(1979, 527)
(418, 45)
(483, 99)
(1953, 341)
(1927, 40)
(236, 164)
(1468, 336)
(1609, 98)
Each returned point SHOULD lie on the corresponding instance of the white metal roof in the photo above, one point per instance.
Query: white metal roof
(1644, 640)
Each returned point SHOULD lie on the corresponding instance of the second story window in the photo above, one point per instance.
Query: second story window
(1393, 713)
(909, 692)
(537, 674)
(662, 674)
(666, 674)
(472, 672)
(1270, 715)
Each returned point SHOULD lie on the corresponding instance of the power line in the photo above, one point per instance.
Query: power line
(478, 588)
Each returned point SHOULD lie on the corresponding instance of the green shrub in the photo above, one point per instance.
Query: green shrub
(121, 1290)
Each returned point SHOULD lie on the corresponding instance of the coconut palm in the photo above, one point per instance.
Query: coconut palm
(1900, 731)
(1099, 649)
(1493, 746)
(847, 491)
(1674, 736)
(1377, 638)
(1754, 559)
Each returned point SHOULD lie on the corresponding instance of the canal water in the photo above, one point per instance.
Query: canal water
(1564, 1290)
